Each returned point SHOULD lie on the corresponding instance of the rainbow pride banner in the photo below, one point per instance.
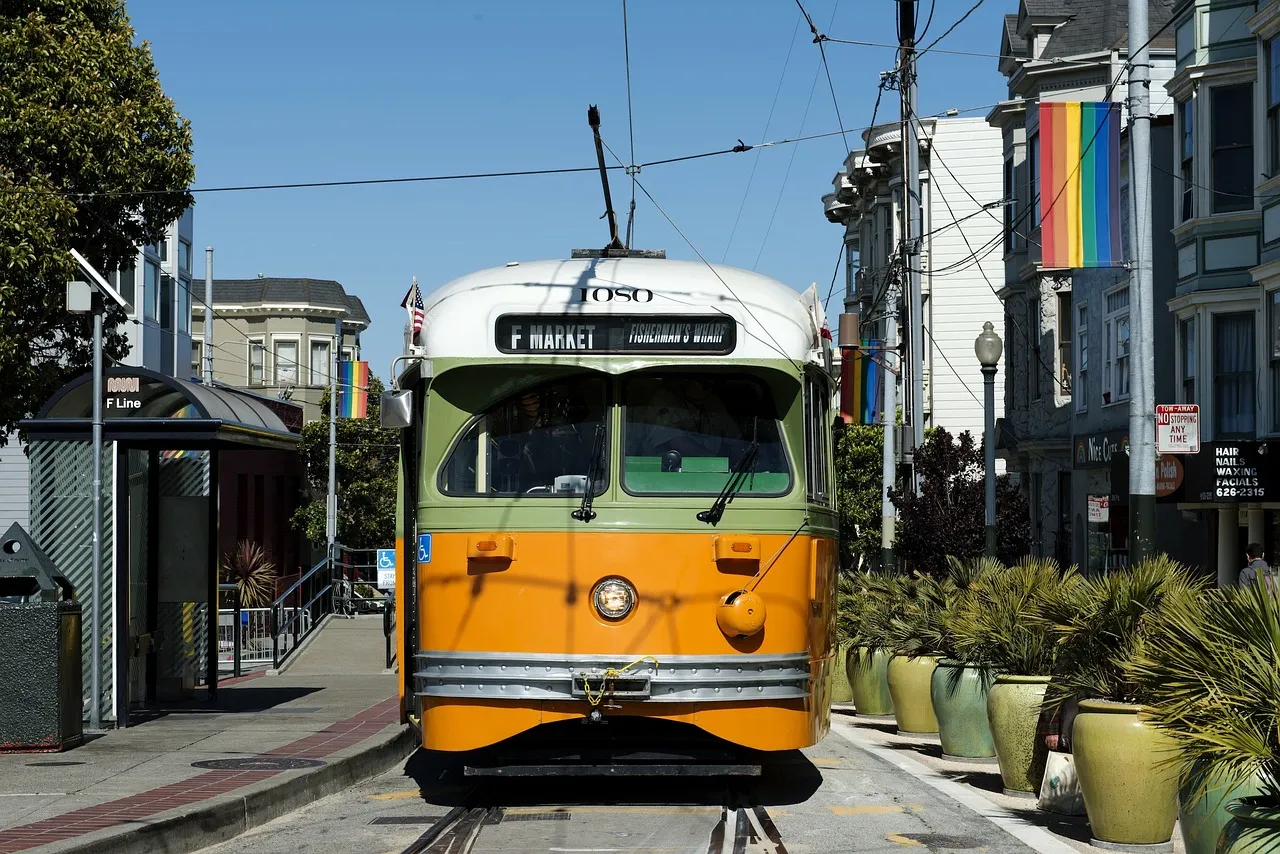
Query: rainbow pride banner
(353, 389)
(861, 383)
(1080, 184)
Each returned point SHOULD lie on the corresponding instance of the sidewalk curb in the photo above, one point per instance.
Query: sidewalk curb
(215, 823)
(1029, 834)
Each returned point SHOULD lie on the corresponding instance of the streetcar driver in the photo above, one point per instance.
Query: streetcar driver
(682, 415)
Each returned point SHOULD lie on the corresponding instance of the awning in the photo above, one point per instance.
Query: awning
(151, 410)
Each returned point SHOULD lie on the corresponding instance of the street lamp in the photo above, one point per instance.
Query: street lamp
(988, 347)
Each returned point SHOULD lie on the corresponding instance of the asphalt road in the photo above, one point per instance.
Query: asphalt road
(833, 797)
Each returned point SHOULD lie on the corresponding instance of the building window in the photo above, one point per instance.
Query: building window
(1033, 179)
(1187, 334)
(1273, 309)
(348, 354)
(1186, 120)
(1232, 148)
(1008, 205)
(184, 256)
(197, 360)
(1036, 366)
(319, 362)
(284, 359)
(1115, 380)
(1064, 343)
(850, 272)
(1081, 388)
(1273, 105)
(162, 249)
(184, 306)
(1233, 375)
(150, 289)
(166, 302)
(257, 358)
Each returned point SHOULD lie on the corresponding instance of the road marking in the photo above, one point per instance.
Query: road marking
(867, 809)
(396, 796)
(1022, 830)
(898, 839)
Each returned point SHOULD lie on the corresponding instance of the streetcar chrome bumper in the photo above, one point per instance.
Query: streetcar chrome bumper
(674, 679)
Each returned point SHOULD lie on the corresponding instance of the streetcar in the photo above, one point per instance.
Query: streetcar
(617, 501)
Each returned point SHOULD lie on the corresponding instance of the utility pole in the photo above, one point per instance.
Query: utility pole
(331, 514)
(1142, 444)
(207, 361)
(913, 228)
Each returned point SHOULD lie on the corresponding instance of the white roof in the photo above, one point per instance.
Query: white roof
(774, 321)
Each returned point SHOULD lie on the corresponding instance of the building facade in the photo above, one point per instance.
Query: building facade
(276, 336)
(1059, 50)
(960, 191)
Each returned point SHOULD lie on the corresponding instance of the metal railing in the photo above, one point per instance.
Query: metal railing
(306, 602)
(389, 629)
(253, 644)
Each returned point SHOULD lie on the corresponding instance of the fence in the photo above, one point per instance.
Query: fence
(255, 642)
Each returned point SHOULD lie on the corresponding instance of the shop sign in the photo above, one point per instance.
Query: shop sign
(124, 394)
(1231, 472)
(1178, 428)
(1099, 508)
(1169, 474)
(1097, 449)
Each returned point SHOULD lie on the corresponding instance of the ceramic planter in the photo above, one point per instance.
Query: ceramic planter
(1202, 822)
(1130, 789)
(840, 690)
(1254, 828)
(909, 682)
(869, 680)
(1014, 704)
(959, 694)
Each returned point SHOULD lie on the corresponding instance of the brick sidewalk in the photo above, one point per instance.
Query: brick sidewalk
(338, 736)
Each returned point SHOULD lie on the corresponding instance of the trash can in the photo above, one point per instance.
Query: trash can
(41, 701)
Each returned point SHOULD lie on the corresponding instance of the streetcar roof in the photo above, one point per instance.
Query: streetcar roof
(774, 321)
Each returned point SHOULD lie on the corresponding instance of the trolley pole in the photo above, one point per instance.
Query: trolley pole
(207, 361)
(913, 228)
(331, 514)
(1142, 450)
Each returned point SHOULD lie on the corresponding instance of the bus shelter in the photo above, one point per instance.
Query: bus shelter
(164, 440)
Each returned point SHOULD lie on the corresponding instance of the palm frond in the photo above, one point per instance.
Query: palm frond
(251, 569)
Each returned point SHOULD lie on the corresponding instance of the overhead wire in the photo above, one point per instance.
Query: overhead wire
(631, 126)
(950, 29)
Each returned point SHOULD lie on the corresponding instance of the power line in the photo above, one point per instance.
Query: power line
(822, 51)
(950, 29)
(631, 127)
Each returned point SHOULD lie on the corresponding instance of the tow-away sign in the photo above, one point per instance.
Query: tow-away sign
(1178, 428)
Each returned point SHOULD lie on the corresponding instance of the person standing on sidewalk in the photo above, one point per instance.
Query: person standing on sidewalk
(1258, 571)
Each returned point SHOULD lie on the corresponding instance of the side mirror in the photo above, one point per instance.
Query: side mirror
(397, 409)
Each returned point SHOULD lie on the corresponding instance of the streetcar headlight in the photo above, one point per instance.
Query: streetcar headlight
(614, 598)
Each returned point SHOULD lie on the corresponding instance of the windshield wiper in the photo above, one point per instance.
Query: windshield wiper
(585, 513)
(745, 466)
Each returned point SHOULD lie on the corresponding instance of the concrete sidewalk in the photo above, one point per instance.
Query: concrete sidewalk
(329, 720)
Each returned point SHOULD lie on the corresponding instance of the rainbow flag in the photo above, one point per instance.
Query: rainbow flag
(1080, 184)
(353, 389)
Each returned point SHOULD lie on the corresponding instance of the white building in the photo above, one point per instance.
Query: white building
(961, 190)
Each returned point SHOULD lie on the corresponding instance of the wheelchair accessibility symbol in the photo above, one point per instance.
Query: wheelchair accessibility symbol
(386, 558)
(424, 548)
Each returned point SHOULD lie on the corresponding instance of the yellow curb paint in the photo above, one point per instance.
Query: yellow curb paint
(396, 796)
(866, 809)
(898, 839)
(916, 807)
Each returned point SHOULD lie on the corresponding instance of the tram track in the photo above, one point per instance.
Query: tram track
(742, 828)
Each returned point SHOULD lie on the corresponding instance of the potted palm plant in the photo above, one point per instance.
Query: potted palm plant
(848, 613)
(861, 625)
(959, 687)
(912, 663)
(1211, 677)
(1123, 761)
(1000, 626)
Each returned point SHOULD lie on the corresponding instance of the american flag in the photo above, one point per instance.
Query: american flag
(413, 304)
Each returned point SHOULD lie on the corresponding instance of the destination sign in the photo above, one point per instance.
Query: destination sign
(646, 333)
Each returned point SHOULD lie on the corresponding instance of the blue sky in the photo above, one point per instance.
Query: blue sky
(291, 91)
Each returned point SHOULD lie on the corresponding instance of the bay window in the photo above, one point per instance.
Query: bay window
(1033, 180)
(257, 359)
(1273, 326)
(1233, 375)
(1115, 377)
(1187, 339)
(285, 362)
(1081, 389)
(1273, 105)
(1186, 121)
(1232, 126)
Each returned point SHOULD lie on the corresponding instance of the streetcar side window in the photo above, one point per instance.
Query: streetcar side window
(817, 445)
(537, 442)
(685, 434)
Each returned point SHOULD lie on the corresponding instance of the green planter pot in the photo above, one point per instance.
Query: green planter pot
(1130, 791)
(1014, 704)
(909, 681)
(1254, 828)
(869, 679)
(959, 694)
(841, 692)
(1202, 822)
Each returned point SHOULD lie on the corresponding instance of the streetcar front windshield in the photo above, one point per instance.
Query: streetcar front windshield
(537, 442)
(685, 434)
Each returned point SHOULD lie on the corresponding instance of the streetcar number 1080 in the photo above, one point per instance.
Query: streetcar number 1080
(611, 294)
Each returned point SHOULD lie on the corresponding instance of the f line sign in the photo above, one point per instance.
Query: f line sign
(1178, 428)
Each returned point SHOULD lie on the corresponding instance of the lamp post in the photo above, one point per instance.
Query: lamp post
(988, 347)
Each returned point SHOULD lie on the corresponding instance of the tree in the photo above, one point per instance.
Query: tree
(93, 156)
(948, 518)
(858, 484)
(367, 463)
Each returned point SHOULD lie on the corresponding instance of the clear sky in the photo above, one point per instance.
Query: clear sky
(282, 91)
